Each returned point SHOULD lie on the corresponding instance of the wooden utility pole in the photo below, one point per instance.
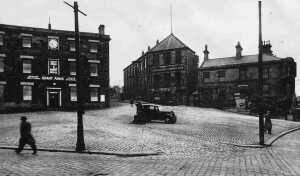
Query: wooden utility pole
(260, 81)
(80, 146)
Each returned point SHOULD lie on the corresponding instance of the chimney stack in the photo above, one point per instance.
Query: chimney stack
(157, 41)
(143, 53)
(101, 29)
(206, 52)
(148, 48)
(266, 48)
(238, 50)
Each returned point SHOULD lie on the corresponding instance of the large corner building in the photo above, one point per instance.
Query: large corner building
(166, 73)
(38, 67)
(233, 81)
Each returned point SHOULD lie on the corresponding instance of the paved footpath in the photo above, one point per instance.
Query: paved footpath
(251, 162)
(196, 145)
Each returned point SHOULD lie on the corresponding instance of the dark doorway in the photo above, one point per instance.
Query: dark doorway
(53, 99)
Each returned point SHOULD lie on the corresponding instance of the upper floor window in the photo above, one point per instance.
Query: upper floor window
(178, 56)
(94, 46)
(2, 60)
(167, 58)
(183, 56)
(266, 73)
(173, 57)
(206, 75)
(161, 59)
(1, 38)
(53, 43)
(71, 44)
(221, 74)
(243, 74)
(150, 59)
(26, 40)
(155, 59)
(53, 66)
(26, 63)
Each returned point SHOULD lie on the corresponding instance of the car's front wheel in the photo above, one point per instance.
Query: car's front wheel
(174, 119)
(170, 119)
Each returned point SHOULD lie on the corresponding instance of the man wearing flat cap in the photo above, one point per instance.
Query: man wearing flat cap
(26, 136)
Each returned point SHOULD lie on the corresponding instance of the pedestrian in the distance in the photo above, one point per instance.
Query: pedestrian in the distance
(26, 136)
(131, 102)
(268, 123)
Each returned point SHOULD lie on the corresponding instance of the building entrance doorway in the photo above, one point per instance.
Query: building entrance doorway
(53, 97)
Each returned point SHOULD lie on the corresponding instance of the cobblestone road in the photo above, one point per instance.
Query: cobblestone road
(195, 145)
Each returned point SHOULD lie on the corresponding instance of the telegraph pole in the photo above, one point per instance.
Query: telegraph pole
(80, 146)
(260, 81)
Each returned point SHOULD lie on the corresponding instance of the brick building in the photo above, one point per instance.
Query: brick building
(166, 73)
(38, 67)
(232, 81)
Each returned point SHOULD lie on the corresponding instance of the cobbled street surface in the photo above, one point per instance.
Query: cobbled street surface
(198, 144)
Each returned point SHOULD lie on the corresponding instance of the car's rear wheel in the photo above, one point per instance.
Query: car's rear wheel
(168, 120)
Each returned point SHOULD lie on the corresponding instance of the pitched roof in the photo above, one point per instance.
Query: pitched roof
(170, 42)
(219, 62)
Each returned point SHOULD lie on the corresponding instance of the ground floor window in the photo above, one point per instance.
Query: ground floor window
(72, 68)
(93, 69)
(2, 87)
(94, 94)
(102, 98)
(27, 93)
(27, 66)
(266, 89)
(73, 93)
(1, 64)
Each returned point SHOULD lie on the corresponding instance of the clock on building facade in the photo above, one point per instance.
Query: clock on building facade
(53, 43)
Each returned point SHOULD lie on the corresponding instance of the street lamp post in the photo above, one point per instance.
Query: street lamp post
(260, 81)
(80, 146)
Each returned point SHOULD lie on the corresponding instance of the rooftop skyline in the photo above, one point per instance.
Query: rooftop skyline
(135, 24)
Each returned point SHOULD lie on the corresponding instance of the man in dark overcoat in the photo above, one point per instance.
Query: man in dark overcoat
(26, 136)
(268, 123)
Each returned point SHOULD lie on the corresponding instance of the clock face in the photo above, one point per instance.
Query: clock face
(53, 44)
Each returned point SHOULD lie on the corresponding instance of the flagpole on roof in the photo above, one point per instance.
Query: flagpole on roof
(171, 15)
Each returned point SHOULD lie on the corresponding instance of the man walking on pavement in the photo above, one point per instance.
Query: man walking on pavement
(26, 136)
(268, 123)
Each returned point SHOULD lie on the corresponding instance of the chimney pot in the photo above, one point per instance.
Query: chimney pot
(206, 52)
(157, 41)
(266, 48)
(101, 29)
(238, 50)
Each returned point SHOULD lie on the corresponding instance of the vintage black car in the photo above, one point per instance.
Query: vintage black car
(148, 112)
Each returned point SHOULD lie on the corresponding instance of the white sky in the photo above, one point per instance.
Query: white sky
(135, 24)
